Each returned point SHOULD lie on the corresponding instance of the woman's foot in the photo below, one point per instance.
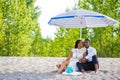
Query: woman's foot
(58, 66)
(59, 73)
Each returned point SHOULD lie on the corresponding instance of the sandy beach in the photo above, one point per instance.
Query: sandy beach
(43, 68)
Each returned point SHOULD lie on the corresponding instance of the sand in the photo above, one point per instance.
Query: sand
(43, 68)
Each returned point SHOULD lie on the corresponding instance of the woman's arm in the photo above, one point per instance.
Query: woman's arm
(84, 55)
(83, 60)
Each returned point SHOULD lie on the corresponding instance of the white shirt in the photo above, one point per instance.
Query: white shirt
(91, 52)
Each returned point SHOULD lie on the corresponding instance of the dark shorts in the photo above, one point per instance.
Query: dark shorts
(88, 65)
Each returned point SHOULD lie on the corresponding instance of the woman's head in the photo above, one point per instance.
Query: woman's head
(78, 44)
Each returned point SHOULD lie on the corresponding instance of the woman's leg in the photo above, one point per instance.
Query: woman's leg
(63, 67)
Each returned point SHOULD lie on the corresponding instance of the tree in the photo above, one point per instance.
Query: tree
(18, 24)
(105, 38)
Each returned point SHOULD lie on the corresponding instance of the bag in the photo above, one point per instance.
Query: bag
(69, 69)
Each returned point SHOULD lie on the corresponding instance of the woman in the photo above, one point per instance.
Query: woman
(75, 55)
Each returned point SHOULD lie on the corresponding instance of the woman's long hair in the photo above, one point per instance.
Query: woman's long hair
(77, 42)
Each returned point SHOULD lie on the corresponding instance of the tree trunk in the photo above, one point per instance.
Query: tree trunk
(100, 40)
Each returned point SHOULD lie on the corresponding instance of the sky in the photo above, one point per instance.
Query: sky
(50, 8)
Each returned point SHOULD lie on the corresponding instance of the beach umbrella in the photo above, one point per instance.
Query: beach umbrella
(82, 19)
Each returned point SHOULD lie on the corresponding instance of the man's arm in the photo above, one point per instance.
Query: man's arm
(90, 54)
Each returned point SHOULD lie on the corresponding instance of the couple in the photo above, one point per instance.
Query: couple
(80, 58)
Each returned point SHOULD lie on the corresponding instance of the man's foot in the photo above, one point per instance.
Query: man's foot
(97, 72)
(83, 71)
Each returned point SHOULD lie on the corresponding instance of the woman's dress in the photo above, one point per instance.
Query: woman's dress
(77, 55)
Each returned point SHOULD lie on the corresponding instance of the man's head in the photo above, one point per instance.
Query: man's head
(87, 43)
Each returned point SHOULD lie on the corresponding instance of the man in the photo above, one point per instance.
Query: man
(89, 61)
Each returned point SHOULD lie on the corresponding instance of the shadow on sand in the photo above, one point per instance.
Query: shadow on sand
(28, 76)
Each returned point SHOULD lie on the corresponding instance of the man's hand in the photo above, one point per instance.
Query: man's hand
(83, 60)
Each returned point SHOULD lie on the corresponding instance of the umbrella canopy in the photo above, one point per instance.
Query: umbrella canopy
(81, 19)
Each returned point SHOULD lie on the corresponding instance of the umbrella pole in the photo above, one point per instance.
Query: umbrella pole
(80, 33)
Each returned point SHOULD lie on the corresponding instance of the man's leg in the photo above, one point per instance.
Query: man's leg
(89, 66)
(85, 66)
(80, 67)
(95, 62)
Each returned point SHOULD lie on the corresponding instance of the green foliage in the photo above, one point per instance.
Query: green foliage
(20, 32)
(105, 40)
(19, 21)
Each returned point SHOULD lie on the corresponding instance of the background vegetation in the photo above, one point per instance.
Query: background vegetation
(20, 33)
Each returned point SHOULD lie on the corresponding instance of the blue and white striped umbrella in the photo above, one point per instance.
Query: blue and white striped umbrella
(81, 19)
